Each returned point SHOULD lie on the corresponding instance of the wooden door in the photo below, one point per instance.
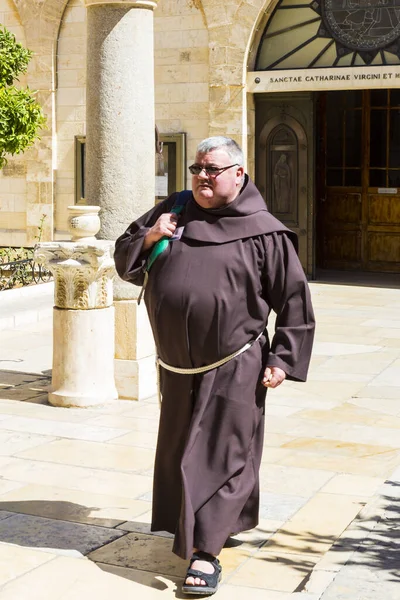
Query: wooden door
(282, 175)
(358, 180)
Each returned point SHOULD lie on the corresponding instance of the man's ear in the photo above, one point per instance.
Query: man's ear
(240, 174)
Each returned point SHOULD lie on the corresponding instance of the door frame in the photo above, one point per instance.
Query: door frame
(297, 112)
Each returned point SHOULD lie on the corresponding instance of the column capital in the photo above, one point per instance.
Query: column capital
(83, 273)
(148, 4)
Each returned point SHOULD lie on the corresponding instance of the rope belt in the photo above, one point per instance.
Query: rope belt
(199, 370)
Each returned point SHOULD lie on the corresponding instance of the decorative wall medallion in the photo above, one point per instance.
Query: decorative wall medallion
(362, 24)
(331, 33)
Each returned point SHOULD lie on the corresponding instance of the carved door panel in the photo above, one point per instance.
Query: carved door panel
(382, 181)
(282, 175)
(358, 210)
(383, 232)
(342, 228)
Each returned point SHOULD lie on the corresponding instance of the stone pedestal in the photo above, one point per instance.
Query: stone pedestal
(83, 358)
(83, 330)
(120, 152)
(135, 370)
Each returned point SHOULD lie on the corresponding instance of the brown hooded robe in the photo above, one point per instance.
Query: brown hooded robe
(208, 294)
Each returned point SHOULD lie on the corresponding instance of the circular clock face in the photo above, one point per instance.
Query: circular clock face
(362, 24)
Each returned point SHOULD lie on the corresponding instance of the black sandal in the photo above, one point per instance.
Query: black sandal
(212, 579)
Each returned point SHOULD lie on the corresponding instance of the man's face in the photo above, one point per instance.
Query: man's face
(213, 191)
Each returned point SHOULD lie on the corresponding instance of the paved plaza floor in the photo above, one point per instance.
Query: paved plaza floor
(75, 484)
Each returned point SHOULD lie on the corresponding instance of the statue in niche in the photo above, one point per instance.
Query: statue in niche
(282, 185)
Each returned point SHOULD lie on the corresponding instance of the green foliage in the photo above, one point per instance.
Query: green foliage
(15, 267)
(13, 254)
(14, 58)
(38, 237)
(21, 117)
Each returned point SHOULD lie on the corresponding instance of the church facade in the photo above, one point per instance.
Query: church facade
(310, 90)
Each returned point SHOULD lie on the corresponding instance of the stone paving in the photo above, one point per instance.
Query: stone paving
(75, 484)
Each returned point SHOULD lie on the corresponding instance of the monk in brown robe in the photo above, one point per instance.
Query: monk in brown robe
(209, 293)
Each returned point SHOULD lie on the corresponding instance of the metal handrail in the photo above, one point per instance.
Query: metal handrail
(21, 272)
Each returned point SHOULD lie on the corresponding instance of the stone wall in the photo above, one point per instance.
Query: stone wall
(181, 57)
(70, 106)
(232, 27)
(13, 176)
(202, 48)
(41, 21)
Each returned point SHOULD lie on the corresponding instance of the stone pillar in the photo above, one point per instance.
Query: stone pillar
(120, 153)
(83, 328)
(120, 112)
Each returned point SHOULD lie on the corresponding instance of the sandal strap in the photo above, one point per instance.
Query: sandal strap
(200, 555)
(211, 579)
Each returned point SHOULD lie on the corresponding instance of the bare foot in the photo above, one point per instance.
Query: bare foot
(200, 565)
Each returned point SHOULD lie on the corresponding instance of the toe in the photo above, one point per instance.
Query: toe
(189, 581)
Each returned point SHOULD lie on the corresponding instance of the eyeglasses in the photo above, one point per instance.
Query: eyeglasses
(210, 171)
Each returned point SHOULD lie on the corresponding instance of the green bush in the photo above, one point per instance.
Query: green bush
(21, 116)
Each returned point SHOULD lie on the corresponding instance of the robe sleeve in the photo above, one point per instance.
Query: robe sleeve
(129, 257)
(287, 293)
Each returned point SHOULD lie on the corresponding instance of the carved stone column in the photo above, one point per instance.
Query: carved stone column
(120, 150)
(83, 327)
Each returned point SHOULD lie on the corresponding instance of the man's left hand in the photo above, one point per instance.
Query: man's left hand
(273, 376)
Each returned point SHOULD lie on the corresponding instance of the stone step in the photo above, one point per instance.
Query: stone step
(25, 305)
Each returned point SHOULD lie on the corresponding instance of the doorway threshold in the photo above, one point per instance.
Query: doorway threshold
(358, 278)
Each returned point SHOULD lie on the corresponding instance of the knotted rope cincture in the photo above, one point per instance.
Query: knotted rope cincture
(215, 365)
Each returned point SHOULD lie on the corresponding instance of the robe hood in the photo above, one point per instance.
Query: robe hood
(247, 216)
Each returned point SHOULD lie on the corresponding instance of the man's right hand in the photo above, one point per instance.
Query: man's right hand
(164, 226)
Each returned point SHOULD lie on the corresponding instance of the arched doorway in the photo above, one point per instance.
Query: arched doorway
(340, 81)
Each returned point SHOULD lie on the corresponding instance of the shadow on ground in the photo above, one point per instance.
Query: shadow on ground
(373, 541)
(20, 386)
(72, 529)
(358, 278)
